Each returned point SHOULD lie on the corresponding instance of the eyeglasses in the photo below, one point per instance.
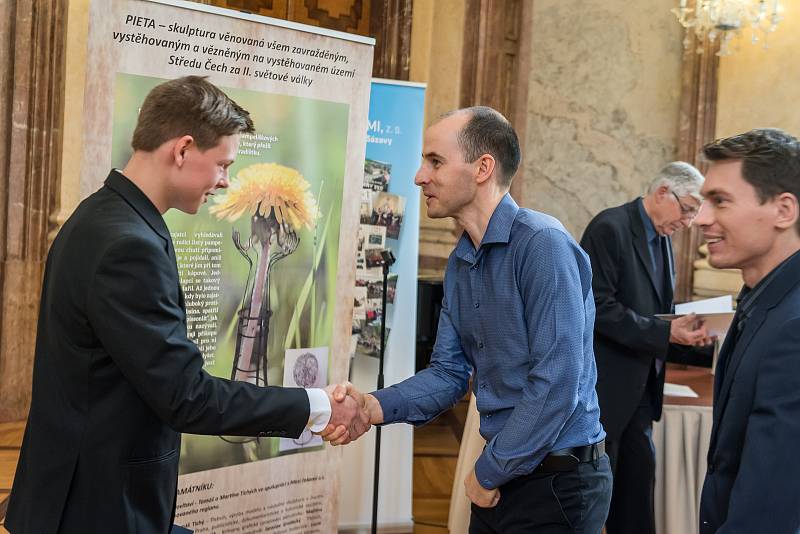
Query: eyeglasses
(687, 212)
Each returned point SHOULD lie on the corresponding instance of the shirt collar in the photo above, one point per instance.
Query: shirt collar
(136, 198)
(649, 229)
(746, 301)
(497, 231)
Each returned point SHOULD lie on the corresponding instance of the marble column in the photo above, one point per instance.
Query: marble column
(31, 74)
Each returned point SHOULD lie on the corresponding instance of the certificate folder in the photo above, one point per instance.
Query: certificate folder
(716, 323)
(716, 313)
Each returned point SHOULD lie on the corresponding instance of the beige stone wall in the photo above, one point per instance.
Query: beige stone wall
(757, 88)
(760, 87)
(603, 107)
(604, 99)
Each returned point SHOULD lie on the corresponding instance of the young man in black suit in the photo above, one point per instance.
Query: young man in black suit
(632, 280)
(751, 221)
(115, 377)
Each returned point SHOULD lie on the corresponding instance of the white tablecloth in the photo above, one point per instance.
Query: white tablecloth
(471, 447)
(681, 439)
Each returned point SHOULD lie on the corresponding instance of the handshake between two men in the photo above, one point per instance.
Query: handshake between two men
(352, 414)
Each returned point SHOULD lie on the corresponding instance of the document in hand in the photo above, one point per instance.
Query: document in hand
(716, 313)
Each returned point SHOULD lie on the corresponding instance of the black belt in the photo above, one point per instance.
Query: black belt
(568, 459)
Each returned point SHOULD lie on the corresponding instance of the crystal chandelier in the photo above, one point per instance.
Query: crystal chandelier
(726, 19)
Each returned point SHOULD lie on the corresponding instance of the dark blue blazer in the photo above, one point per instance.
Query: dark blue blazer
(116, 380)
(753, 479)
(627, 335)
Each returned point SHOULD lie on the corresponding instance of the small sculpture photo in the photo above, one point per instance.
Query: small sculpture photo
(304, 368)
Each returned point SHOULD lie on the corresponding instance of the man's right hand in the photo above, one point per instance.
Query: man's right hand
(689, 330)
(370, 409)
(349, 417)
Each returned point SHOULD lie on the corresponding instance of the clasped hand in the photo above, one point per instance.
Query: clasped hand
(689, 330)
(352, 414)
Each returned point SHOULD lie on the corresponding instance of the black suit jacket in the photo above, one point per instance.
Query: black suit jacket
(627, 336)
(116, 379)
(753, 478)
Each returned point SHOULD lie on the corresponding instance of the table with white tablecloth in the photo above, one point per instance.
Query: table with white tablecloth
(681, 439)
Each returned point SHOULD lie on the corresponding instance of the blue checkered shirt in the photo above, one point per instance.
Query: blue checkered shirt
(519, 312)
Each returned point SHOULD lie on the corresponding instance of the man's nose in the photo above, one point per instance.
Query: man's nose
(420, 178)
(704, 216)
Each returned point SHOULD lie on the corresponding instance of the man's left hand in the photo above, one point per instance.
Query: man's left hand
(480, 496)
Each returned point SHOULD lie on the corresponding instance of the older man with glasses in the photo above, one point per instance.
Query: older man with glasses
(687, 212)
(633, 279)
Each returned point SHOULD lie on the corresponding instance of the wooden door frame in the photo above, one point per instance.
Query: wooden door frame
(496, 63)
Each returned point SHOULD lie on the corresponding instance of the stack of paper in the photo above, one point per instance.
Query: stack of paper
(679, 390)
(723, 304)
(716, 313)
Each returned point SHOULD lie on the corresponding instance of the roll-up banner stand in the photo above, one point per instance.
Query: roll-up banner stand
(389, 218)
(307, 90)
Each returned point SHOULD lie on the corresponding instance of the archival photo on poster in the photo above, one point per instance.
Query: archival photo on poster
(377, 175)
(383, 209)
(258, 263)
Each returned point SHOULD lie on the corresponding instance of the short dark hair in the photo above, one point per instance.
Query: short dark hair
(770, 160)
(188, 106)
(488, 132)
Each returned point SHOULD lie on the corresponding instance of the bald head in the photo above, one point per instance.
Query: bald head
(486, 131)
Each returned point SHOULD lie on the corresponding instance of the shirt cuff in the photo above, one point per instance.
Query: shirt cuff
(319, 414)
(394, 406)
(488, 476)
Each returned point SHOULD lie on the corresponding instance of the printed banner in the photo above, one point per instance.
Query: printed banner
(389, 216)
(389, 198)
(267, 265)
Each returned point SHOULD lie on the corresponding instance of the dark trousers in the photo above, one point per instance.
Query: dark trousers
(633, 461)
(571, 501)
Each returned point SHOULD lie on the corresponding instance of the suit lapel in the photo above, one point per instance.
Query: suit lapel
(143, 206)
(719, 401)
(147, 211)
(733, 360)
(771, 297)
(640, 244)
(723, 356)
(670, 276)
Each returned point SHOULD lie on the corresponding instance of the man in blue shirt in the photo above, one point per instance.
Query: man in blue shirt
(517, 316)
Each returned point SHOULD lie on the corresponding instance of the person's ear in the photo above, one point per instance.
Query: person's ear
(486, 165)
(180, 147)
(661, 193)
(787, 210)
